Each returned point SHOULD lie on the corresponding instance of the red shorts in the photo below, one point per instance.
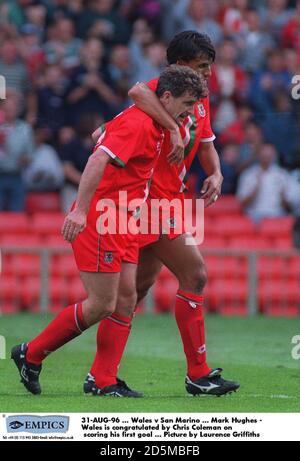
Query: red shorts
(170, 224)
(95, 252)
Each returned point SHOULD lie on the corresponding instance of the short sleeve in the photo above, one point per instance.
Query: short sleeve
(122, 140)
(207, 133)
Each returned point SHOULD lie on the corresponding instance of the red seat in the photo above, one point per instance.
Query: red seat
(58, 290)
(272, 267)
(164, 291)
(56, 241)
(282, 292)
(232, 226)
(293, 271)
(64, 266)
(15, 223)
(21, 241)
(229, 293)
(229, 267)
(249, 243)
(277, 227)
(47, 223)
(226, 205)
(9, 289)
(284, 243)
(8, 307)
(37, 201)
(25, 265)
(30, 293)
(213, 243)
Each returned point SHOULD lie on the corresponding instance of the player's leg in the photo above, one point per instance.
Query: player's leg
(102, 292)
(112, 336)
(148, 270)
(187, 264)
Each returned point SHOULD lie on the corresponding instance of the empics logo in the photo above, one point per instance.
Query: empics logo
(37, 424)
(296, 349)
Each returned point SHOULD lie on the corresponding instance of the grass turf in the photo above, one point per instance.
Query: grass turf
(255, 351)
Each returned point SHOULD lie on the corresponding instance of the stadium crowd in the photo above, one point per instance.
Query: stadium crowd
(68, 67)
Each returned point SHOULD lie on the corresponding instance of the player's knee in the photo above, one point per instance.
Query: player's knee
(126, 303)
(194, 279)
(98, 309)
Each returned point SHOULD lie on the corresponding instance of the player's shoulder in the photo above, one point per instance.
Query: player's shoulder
(140, 119)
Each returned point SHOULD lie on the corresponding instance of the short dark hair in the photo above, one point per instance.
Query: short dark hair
(189, 45)
(179, 80)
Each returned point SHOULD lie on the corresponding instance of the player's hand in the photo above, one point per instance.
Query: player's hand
(211, 189)
(74, 223)
(177, 153)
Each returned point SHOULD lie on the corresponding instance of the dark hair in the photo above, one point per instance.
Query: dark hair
(179, 80)
(188, 45)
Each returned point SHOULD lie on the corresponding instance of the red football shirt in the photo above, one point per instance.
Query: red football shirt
(133, 140)
(168, 180)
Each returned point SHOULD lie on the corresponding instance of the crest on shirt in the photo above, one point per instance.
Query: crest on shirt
(201, 110)
(108, 257)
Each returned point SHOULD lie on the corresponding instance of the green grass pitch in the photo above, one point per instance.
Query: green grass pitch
(255, 351)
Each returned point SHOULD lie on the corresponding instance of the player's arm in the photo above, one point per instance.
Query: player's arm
(75, 221)
(146, 100)
(96, 134)
(210, 162)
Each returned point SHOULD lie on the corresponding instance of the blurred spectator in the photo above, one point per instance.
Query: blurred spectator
(229, 162)
(119, 70)
(13, 68)
(74, 154)
(51, 100)
(254, 44)
(142, 36)
(291, 32)
(31, 50)
(266, 83)
(64, 48)
(275, 15)
(235, 132)
(233, 18)
(16, 152)
(90, 85)
(293, 198)
(251, 145)
(280, 126)
(36, 15)
(45, 173)
(192, 15)
(102, 20)
(151, 62)
(229, 83)
(262, 189)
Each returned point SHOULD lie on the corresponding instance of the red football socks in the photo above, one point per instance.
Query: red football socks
(190, 321)
(68, 324)
(112, 336)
